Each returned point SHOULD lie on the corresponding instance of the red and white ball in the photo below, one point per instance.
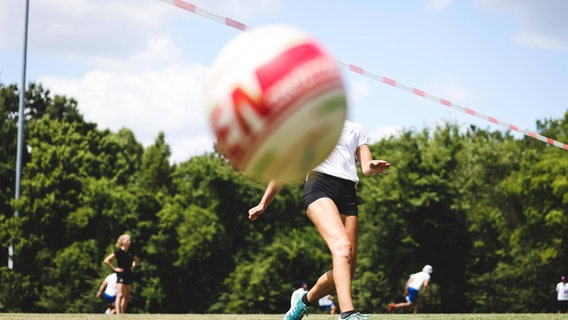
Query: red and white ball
(277, 102)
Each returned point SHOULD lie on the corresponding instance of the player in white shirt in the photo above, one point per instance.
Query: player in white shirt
(110, 289)
(330, 199)
(412, 289)
(562, 295)
(326, 304)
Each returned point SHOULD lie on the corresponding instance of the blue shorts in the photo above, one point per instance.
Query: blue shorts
(412, 295)
(342, 192)
(109, 299)
(326, 308)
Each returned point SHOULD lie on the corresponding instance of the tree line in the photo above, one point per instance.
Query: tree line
(486, 209)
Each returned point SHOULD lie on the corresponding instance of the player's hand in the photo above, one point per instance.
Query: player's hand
(255, 212)
(380, 166)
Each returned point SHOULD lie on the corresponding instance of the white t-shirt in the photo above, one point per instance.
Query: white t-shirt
(110, 289)
(562, 289)
(325, 301)
(341, 162)
(418, 279)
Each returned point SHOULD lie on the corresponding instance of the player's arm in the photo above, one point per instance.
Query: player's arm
(407, 285)
(101, 288)
(134, 263)
(369, 166)
(269, 194)
(110, 265)
(425, 286)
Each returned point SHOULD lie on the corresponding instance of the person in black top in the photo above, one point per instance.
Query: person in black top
(126, 262)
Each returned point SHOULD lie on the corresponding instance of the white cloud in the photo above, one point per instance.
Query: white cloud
(147, 102)
(166, 97)
(358, 90)
(242, 10)
(137, 77)
(87, 28)
(438, 4)
(83, 27)
(539, 41)
(159, 50)
(543, 23)
(380, 132)
(451, 88)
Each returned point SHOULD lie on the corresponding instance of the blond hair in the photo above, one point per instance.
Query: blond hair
(120, 239)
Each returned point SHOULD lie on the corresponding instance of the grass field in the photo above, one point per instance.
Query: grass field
(506, 316)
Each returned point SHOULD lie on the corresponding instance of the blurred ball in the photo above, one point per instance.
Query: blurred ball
(276, 101)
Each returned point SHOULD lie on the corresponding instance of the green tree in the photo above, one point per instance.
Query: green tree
(485, 209)
(414, 217)
(8, 141)
(264, 284)
(71, 272)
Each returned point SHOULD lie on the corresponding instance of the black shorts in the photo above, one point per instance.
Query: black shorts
(562, 305)
(124, 278)
(342, 192)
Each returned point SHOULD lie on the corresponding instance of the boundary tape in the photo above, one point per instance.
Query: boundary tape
(356, 69)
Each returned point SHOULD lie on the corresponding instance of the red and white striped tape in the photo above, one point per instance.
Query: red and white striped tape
(452, 105)
(243, 27)
(209, 15)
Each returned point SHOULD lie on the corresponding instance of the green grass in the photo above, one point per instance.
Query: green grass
(507, 316)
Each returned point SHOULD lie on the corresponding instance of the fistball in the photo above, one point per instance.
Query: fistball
(276, 102)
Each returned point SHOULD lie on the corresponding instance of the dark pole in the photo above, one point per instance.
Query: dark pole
(20, 127)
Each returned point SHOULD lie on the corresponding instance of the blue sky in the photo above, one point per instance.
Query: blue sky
(143, 64)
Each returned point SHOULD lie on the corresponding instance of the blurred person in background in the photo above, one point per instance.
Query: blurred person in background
(562, 295)
(109, 296)
(126, 262)
(415, 282)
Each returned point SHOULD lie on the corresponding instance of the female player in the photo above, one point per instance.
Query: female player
(330, 199)
(126, 262)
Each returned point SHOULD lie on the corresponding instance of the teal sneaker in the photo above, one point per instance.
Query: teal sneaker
(298, 309)
(356, 316)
